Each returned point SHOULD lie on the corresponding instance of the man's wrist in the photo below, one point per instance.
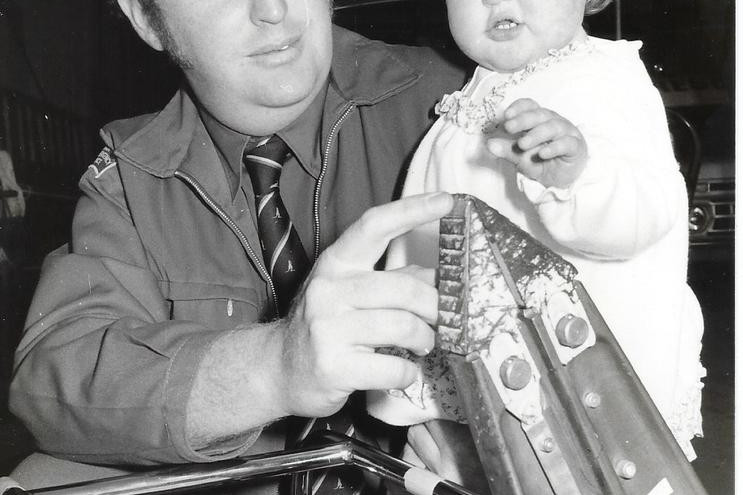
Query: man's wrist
(234, 391)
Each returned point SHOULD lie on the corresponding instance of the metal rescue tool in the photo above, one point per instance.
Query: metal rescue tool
(552, 402)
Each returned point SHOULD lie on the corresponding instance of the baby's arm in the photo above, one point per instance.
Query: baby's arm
(626, 195)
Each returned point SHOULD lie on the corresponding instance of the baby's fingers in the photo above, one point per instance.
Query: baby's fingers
(504, 148)
(566, 146)
(526, 121)
(520, 106)
(544, 132)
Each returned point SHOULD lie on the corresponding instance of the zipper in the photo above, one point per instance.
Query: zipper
(321, 176)
(235, 229)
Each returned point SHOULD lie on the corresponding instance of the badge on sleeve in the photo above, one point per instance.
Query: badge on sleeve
(103, 162)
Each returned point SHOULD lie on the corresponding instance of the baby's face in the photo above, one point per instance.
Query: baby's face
(506, 35)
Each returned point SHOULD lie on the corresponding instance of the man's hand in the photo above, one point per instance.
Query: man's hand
(308, 363)
(347, 310)
(542, 144)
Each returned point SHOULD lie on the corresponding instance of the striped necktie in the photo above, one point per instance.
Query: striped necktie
(283, 253)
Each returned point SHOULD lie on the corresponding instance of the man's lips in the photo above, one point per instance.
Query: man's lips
(275, 47)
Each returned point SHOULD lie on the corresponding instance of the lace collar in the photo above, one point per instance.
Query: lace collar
(482, 117)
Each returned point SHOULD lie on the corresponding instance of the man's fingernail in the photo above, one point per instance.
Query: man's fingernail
(439, 198)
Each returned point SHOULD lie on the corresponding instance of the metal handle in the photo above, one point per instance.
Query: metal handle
(335, 450)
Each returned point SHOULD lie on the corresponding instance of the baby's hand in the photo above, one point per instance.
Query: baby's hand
(543, 145)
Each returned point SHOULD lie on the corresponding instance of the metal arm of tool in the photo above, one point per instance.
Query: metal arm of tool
(332, 450)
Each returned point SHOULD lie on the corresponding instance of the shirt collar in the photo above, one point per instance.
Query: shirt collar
(302, 136)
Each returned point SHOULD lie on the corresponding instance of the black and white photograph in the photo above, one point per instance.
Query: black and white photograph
(367, 247)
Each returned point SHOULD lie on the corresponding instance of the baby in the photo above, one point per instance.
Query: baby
(566, 136)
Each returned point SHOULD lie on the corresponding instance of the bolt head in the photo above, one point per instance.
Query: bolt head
(515, 373)
(571, 331)
(548, 445)
(592, 400)
(626, 469)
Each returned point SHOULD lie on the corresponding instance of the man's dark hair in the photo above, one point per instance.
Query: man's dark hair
(155, 17)
(594, 6)
(150, 9)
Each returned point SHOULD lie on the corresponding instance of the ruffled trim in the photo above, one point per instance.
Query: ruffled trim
(537, 193)
(459, 108)
(685, 421)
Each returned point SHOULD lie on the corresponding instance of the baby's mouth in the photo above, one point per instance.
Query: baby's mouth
(504, 25)
(504, 29)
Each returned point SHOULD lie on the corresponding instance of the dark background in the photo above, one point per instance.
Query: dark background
(68, 66)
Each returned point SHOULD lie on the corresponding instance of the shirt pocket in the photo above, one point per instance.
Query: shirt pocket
(215, 306)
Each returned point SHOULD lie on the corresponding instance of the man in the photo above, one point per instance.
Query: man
(153, 337)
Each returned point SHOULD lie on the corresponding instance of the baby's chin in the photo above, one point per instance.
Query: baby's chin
(504, 68)
(511, 62)
(505, 59)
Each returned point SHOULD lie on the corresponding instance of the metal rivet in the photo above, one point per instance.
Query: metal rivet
(515, 373)
(626, 469)
(548, 445)
(592, 400)
(571, 331)
(531, 313)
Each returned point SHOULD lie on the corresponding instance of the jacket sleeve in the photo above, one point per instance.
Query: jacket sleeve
(631, 193)
(101, 374)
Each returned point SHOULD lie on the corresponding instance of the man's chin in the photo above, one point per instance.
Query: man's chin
(274, 113)
(287, 95)
(287, 91)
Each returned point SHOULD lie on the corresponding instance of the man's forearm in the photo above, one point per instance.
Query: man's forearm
(235, 391)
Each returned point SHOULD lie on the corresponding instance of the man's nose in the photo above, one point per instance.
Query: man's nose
(268, 11)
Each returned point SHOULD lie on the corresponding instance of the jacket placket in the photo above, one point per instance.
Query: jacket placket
(235, 228)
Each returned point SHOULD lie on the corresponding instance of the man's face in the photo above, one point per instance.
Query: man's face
(254, 64)
(506, 35)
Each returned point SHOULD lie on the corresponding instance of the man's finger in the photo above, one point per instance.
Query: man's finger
(366, 239)
(375, 371)
(390, 290)
(386, 328)
(425, 275)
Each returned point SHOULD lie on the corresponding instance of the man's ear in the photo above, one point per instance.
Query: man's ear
(132, 9)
